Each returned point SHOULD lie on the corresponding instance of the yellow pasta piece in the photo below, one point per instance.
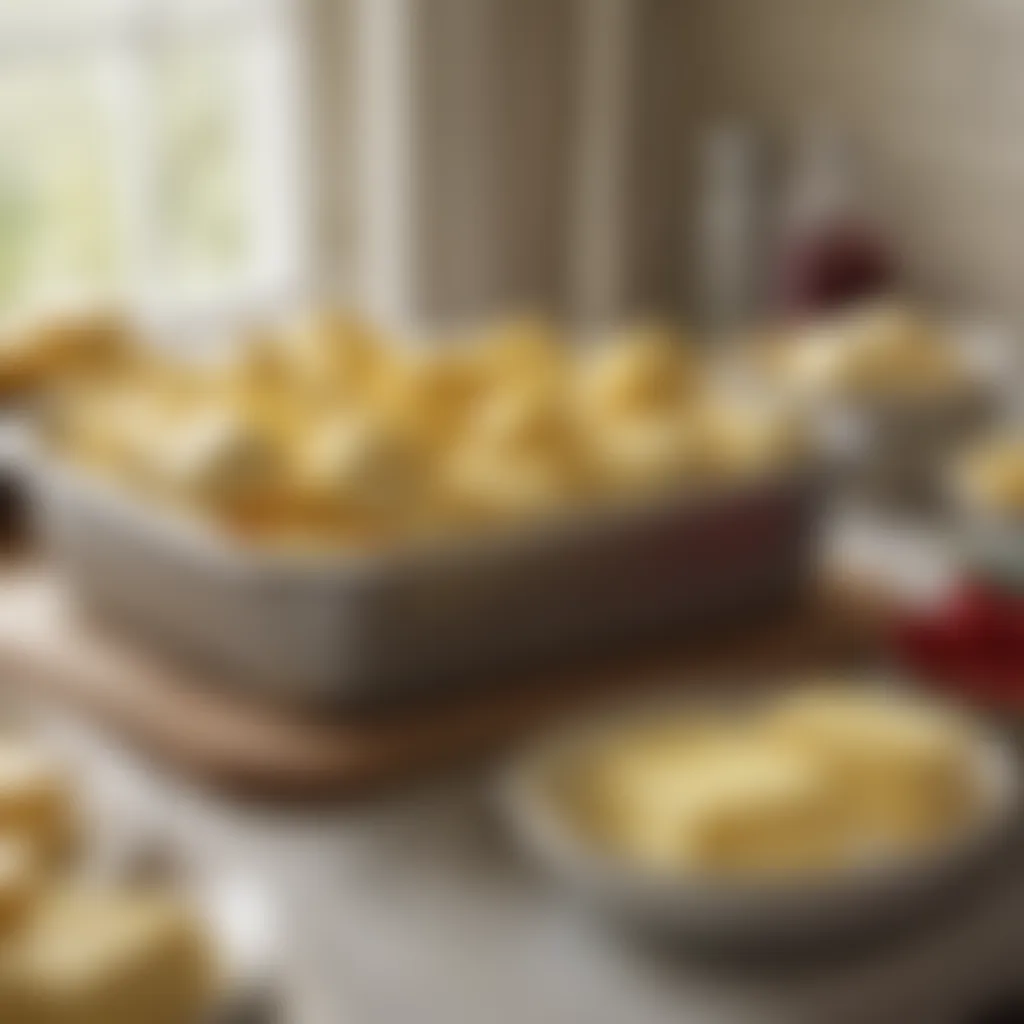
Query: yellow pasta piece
(648, 369)
(106, 957)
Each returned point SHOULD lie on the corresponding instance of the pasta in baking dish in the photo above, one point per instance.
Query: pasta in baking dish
(326, 431)
(37, 349)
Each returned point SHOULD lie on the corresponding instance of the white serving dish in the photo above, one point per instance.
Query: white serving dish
(342, 628)
(893, 447)
(751, 914)
(895, 450)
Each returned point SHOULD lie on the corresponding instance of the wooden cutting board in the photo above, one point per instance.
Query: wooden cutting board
(211, 731)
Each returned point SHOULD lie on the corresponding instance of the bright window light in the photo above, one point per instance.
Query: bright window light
(146, 153)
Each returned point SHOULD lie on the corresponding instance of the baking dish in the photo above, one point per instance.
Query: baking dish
(353, 627)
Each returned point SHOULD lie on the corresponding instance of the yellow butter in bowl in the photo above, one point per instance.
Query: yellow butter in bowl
(715, 805)
(809, 784)
(904, 770)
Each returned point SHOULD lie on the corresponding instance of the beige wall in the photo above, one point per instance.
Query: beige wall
(494, 180)
(932, 91)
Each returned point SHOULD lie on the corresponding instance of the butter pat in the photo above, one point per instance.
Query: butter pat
(101, 957)
(903, 769)
(824, 779)
(742, 806)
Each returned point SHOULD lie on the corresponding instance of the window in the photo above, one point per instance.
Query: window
(146, 152)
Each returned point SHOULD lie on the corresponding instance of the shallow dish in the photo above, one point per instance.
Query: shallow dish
(892, 446)
(750, 913)
(343, 628)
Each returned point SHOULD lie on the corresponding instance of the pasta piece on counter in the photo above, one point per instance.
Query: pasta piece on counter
(106, 957)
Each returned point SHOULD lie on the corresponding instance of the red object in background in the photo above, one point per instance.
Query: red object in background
(973, 644)
(832, 266)
(829, 254)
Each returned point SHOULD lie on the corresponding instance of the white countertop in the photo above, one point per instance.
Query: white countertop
(415, 907)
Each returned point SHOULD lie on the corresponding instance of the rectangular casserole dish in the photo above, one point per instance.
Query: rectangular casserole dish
(352, 628)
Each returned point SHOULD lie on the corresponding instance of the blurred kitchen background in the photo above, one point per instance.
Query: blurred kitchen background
(431, 161)
(733, 166)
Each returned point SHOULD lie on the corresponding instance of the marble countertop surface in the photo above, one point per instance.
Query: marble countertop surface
(416, 907)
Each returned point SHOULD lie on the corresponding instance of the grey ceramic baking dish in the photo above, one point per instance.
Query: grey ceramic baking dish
(351, 628)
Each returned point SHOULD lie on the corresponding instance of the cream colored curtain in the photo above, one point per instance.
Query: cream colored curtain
(517, 153)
